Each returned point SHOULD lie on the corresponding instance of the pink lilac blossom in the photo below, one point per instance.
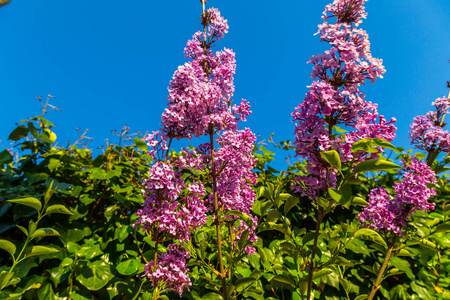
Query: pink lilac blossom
(199, 103)
(162, 207)
(346, 11)
(201, 90)
(388, 214)
(427, 133)
(171, 269)
(234, 165)
(334, 97)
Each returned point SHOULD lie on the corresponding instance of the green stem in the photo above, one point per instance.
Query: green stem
(313, 254)
(216, 214)
(376, 286)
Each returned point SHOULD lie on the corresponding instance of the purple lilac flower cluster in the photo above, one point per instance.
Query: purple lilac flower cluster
(237, 176)
(334, 97)
(388, 214)
(171, 269)
(199, 103)
(201, 90)
(427, 131)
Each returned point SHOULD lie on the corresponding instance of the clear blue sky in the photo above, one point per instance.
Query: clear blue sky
(109, 62)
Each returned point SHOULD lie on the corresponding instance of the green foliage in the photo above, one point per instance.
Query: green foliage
(85, 247)
(66, 229)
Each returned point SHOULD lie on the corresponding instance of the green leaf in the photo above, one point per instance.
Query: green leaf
(43, 232)
(50, 135)
(140, 144)
(332, 157)
(428, 244)
(443, 228)
(102, 175)
(321, 273)
(95, 275)
(335, 194)
(41, 250)
(273, 226)
(20, 131)
(273, 214)
(31, 227)
(58, 209)
(46, 292)
(243, 239)
(367, 144)
(4, 2)
(33, 177)
(49, 193)
(284, 279)
(23, 229)
(359, 201)
(5, 277)
(309, 236)
(31, 202)
(371, 235)
(129, 267)
(244, 281)
(290, 203)
(109, 212)
(212, 296)
(6, 157)
(246, 218)
(13, 282)
(8, 247)
(420, 155)
(375, 165)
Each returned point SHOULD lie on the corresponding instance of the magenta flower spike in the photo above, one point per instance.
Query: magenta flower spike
(427, 133)
(199, 104)
(390, 214)
(334, 97)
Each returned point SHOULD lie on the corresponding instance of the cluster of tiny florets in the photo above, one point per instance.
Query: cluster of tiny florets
(390, 214)
(334, 97)
(199, 103)
(171, 269)
(427, 133)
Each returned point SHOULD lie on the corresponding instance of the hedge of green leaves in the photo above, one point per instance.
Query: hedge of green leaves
(66, 221)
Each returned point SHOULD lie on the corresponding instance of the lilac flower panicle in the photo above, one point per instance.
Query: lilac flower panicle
(383, 213)
(171, 269)
(346, 11)
(199, 104)
(199, 99)
(163, 207)
(388, 214)
(427, 133)
(334, 97)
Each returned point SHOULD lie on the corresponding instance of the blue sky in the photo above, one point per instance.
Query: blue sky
(109, 62)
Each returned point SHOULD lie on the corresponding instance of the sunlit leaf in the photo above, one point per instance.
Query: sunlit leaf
(31, 202)
(370, 235)
(41, 250)
(8, 247)
(95, 275)
(375, 165)
(332, 157)
(58, 209)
